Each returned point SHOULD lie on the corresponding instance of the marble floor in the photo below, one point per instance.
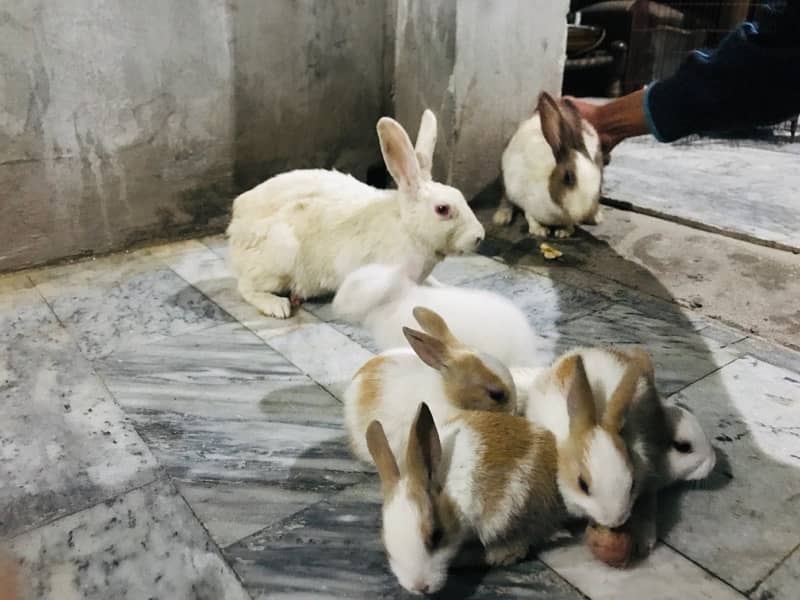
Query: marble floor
(747, 189)
(161, 439)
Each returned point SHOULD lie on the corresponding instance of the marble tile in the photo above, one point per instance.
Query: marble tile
(217, 243)
(124, 300)
(324, 312)
(248, 438)
(681, 355)
(143, 544)
(64, 443)
(457, 270)
(782, 583)
(327, 355)
(746, 518)
(663, 178)
(664, 575)
(544, 301)
(209, 273)
(769, 352)
(333, 550)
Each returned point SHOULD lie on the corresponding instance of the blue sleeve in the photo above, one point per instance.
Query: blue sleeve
(752, 78)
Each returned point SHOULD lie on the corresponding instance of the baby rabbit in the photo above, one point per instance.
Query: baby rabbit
(665, 442)
(381, 298)
(552, 170)
(448, 374)
(304, 231)
(493, 477)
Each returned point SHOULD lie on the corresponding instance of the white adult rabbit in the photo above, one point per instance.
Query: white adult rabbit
(552, 170)
(382, 297)
(304, 231)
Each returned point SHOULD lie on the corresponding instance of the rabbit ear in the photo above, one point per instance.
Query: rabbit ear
(433, 323)
(622, 398)
(580, 402)
(398, 154)
(643, 360)
(426, 143)
(424, 451)
(384, 459)
(432, 351)
(561, 126)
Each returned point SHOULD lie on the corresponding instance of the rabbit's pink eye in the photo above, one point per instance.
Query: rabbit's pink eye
(443, 210)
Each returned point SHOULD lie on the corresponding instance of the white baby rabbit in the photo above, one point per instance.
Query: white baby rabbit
(304, 231)
(449, 375)
(381, 298)
(494, 477)
(552, 170)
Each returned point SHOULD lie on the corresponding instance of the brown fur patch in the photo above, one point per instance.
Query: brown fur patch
(468, 383)
(508, 443)
(370, 387)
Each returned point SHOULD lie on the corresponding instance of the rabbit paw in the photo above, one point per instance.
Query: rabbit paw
(506, 553)
(503, 215)
(537, 229)
(275, 306)
(563, 232)
(596, 218)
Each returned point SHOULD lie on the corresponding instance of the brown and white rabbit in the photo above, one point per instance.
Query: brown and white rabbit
(492, 477)
(438, 367)
(552, 170)
(665, 442)
(304, 231)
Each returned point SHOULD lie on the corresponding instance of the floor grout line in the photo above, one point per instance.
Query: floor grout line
(777, 566)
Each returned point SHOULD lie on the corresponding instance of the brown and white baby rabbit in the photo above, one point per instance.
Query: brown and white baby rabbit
(552, 170)
(494, 477)
(437, 367)
(665, 442)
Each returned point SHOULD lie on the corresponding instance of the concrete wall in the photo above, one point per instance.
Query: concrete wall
(122, 121)
(480, 66)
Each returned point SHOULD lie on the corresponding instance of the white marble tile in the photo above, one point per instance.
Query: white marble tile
(217, 243)
(247, 436)
(209, 273)
(544, 301)
(456, 270)
(143, 544)
(125, 300)
(681, 355)
(750, 191)
(782, 583)
(327, 355)
(64, 443)
(746, 518)
(664, 575)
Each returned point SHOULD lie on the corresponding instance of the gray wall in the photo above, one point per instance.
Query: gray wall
(480, 66)
(122, 121)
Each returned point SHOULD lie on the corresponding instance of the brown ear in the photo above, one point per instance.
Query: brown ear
(432, 351)
(622, 398)
(643, 360)
(383, 457)
(433, 323)
(424, 451)
(561, 126)
(580, 401)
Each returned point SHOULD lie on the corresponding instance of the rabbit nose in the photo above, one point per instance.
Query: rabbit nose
(478, 239)
(423, 587)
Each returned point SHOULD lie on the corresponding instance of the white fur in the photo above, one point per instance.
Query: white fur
(696, 464)
(405, 381)
(416, 569)
(304, 231)
(527, 163)
(382, 297)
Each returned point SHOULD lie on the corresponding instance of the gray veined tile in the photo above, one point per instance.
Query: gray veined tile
(782, 583)
(681, 355)
(746, 517)
(457, 270)
(64, 443)
(143, 544)
(124, 300)
(544, 301)
(248, 437)
(332, 549)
